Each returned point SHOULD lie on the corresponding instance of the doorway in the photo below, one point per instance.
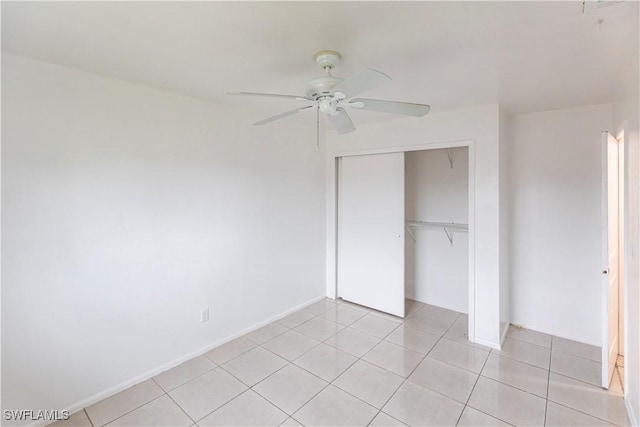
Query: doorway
(613, 260)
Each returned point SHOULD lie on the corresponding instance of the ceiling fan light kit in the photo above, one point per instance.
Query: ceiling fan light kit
(330, 95)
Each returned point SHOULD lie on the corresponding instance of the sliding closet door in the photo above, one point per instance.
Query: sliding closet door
(371, 231)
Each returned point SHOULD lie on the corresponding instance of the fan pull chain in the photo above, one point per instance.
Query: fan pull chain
(318, 129)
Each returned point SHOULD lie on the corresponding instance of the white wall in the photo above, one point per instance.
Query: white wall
(626, 114)
(126, 210)
(556, 219)
(479, 124)
(436, 272)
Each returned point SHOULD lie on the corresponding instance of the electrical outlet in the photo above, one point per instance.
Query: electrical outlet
(204, 315)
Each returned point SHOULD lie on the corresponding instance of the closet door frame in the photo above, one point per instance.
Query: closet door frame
(332, 214)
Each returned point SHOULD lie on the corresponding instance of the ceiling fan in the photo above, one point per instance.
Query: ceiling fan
(330, 95)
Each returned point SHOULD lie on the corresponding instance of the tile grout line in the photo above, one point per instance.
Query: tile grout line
(134, 409)
(361, 358)
(584, 413)
(579, 356)
(550, 344)
(248, 387)
(528, 342)
(169, 396)
(267, 377)
(390, 416)
(240, 394)
(584, 382)
(407, 377)
(549, 372)
(278, 370)
(311, 373)
(225, 403)
(442, 336)
(514, 387)
(305, 352)
(342, 327)
(287, 364)
(234, 357)
(505, 384)
(459, 367)
(546, 400)
(329, 383)
(181, 408)
(273, 337)
(87, 415)
(501, 354)
(358, 358)
(511, 385)
(465, 343)
(471, 393)
(216, 366)
(579, 410)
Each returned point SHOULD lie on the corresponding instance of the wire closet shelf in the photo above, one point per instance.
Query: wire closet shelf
(448, 227)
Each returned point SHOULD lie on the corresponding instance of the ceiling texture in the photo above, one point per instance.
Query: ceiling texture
(527, 56)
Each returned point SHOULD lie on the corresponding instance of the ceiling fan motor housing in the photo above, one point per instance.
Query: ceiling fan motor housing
(322, 86)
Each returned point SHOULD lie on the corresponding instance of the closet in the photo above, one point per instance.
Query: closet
(436, 214)
(402, 221)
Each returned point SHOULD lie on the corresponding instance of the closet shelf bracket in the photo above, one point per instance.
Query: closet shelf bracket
(449, 235)
(450, 156)
(410, 232)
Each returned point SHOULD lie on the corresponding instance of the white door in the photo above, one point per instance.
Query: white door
(610, 208)
(371, 231)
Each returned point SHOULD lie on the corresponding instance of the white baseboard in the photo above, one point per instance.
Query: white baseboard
(557, 334)
(152, 373)
(447, 306)
(498, 346)
(487, 344)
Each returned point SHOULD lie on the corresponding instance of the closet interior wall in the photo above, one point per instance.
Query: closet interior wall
(436, 190)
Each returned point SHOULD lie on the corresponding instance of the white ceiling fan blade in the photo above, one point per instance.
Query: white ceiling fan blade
(394, 107)
(282, 115)
(271, 95)
(342, 122)
(361, 82)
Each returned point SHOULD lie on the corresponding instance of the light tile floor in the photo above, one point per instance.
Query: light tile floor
(335, 363)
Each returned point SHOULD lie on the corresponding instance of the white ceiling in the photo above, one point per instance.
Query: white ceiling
(528, 56)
